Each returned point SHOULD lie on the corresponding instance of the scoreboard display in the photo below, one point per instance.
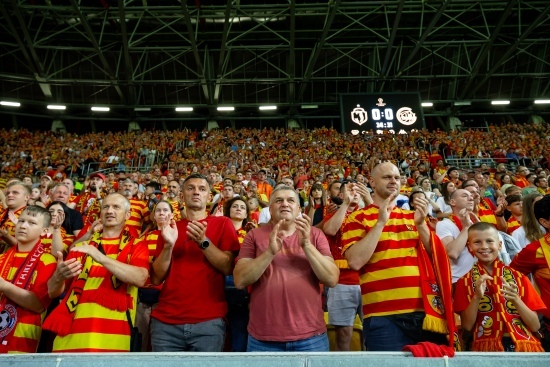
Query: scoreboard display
(394, 113)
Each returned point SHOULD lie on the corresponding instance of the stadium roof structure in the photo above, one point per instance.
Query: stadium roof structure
(144, 58)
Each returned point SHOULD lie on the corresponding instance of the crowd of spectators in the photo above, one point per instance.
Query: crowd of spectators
(347, 186)
(319, 150)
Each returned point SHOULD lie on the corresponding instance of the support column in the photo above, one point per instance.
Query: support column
(58, 126)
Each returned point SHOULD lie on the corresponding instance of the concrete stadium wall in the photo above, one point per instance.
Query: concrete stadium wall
(374, 359)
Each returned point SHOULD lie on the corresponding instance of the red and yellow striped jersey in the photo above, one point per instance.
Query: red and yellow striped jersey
(28, 327)
(513, 224)
(139, 214)
(390, 280)
(96, 328)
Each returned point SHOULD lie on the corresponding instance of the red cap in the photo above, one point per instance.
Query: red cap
(97, 174)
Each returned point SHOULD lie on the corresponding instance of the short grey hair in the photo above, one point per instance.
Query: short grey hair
(283, 188)
(127, 205)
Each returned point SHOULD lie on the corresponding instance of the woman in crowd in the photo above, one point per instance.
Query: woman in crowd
(35, 198)
(59, 211)
(443, 202)
(317, 200)
(161, 215)
(236, 209)
(530, 230)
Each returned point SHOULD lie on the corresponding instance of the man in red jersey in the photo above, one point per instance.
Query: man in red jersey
(192, 259)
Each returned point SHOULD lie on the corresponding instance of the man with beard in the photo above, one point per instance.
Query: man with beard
(332, 192)
(344, 300)
(88, 204)
(152, 193)
(139, 212)
(173, 197)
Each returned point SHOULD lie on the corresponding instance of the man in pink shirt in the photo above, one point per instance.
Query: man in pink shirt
(284, 262)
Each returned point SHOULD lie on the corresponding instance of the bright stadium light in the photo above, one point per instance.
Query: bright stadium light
(100, 109)
(10, 104)
(184, 109)
(56, 107)
(542, 101)
(226, 108)
(500, 102)
(427, 104)
(268, 108)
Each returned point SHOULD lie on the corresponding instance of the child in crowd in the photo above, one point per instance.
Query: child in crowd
(498, 304)
(253, 209)
(515, 207)
(24, 272)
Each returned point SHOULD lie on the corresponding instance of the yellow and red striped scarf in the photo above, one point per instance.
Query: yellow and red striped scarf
(499, 317)
(512, 225)
(110, 294)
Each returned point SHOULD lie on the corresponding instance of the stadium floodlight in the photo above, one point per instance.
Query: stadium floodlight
(268, 108)
(10, 104)
(462, 103)
(142, 109)
(226, 108)
(309, 106)
(100, 109)
(500, 102)
(184, 109)
(56, 107)
(542, 101)
(427, 104)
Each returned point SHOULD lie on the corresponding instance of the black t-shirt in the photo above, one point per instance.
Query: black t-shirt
(73, 222)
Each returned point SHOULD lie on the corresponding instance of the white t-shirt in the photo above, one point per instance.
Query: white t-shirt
(519, 235)
(265, 215)
(460, 266)
(445, 208)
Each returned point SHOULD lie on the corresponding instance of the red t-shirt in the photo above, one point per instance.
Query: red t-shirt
(193, 290)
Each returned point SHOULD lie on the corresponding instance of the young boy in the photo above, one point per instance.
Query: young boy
(515, 207)
(498, 304)
(24, 272)
(253, 209)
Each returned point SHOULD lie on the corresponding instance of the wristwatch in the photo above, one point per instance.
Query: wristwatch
(204, 244)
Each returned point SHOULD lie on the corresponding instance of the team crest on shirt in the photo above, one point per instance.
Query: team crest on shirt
(8, 319)
(437, 304)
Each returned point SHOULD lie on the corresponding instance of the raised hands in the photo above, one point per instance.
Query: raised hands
(481, 285)
(303, 225)
(67, 269)
(169, 233)
(275, 239)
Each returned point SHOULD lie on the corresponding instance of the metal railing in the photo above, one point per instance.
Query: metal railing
(476, 162)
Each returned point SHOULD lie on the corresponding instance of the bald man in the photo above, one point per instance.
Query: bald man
(389, 246)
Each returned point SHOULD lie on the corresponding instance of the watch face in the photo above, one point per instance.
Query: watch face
(204, 244)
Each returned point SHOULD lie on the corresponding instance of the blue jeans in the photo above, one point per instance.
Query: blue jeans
(317, 343)
(237, 315)
(391, 333)
(208, 336)
(383, 335)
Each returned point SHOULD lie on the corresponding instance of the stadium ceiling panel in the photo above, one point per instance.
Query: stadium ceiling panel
(167, 53)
